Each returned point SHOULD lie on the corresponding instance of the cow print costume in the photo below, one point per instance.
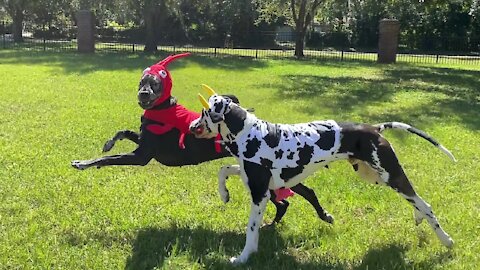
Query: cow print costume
(277, 155)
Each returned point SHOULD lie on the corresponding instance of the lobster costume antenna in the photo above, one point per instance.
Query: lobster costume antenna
(171, 58)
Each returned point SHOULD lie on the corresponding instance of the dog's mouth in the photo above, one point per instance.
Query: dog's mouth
(146, 104)
(147, 99)
(197, 131)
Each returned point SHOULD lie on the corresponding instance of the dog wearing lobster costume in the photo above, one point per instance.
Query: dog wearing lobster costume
(164, 136)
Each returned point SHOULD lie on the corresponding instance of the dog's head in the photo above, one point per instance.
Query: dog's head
(209, 124)
(156, 83)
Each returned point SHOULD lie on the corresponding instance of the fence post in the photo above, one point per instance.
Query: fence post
(3, 35)
(133, 47)
(215, 51)
(437, 58)
(44, 40)
(341, 59)
(174, 49)
(256, 53)
(85, 31)
(388, 31)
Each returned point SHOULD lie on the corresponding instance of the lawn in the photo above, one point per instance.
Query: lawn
(59, 107)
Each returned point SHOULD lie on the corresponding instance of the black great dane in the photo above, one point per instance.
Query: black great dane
(273, 156)
(165, 136)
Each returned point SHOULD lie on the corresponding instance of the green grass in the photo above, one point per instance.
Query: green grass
(59, 107)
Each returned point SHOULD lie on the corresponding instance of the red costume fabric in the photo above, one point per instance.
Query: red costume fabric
(176, 116)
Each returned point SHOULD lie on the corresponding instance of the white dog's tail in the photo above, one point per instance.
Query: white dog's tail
(397, 125)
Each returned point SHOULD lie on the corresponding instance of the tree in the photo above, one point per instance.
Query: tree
(303, 12)
(16, 9)
(155, 14)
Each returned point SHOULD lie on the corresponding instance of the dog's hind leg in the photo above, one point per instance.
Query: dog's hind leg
(124, 134)
(281, 208)
(423, 210)
(311, 197)
(384, 161)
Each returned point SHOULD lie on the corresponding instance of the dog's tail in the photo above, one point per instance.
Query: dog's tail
(397, 125)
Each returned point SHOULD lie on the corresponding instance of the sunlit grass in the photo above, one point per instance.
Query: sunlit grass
(59, 107)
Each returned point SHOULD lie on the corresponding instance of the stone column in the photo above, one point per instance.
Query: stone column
(86, 31)
(389, 30)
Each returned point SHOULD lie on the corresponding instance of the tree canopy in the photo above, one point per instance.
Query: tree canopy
(425, 24)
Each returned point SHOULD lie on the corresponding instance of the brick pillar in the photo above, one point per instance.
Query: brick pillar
(388, 40)
(86, 31)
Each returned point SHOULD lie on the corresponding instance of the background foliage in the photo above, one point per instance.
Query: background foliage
(445, 25)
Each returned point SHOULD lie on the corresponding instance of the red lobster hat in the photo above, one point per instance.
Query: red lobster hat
(160, 71)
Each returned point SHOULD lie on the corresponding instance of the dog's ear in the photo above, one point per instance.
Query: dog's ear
(233, 98)
(216, 117)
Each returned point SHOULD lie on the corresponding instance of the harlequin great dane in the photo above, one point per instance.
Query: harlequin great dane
(279, 155)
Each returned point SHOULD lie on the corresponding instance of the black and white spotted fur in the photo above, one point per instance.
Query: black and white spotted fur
(277, 155)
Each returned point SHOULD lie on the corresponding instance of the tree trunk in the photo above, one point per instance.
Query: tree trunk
(150, 33)
(299, 43)
(18, 26)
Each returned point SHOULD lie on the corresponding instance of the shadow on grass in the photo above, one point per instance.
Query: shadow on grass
(152, 247)
(86, 63)
(458, 94)
(393, 257)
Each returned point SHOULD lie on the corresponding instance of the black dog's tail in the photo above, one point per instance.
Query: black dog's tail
(397, 125)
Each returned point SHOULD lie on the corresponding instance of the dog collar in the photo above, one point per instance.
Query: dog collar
(170, 102)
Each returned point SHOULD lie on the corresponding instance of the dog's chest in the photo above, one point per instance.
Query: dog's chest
(279, 146)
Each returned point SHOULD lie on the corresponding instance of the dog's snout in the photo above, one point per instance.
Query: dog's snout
(143, 95)
(196, 129)
(193, 128)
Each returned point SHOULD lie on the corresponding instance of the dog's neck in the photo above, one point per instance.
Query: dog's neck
(237, 121)
(169, 102)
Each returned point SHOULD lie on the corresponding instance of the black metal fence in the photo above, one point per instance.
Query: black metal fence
(272, 45)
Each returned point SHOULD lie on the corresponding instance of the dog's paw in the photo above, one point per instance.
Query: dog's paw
(108, 146)
(447, 241)
(79, 165)
(328, 218)
(238, 260)
(418, 217)
(268, 225)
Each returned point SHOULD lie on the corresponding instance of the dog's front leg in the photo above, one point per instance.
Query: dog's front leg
(124, 134)
(223, 175)
(256, 216)
(256, 178)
